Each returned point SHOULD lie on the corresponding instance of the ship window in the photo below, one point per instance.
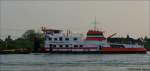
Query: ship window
(75, 45)
(55, 38)
(117, 46)
(81, 45)
(50, 38)
(66, 39)
(50, 45)
(54, 45)
(60, 38)
(67, 45)
(75, 39)
(60, 45)
(100, 46)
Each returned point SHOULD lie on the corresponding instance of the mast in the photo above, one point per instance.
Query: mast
(95, 23)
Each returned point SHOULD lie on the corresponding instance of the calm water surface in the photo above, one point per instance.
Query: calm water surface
(75, 62)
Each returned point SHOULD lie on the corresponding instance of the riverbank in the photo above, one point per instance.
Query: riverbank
(15, 51)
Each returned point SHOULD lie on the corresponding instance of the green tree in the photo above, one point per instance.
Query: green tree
(29, 35)
(147, 43)
(145, 38)
(23, 43)
(1, 43)
(28, 39)
(9, 44)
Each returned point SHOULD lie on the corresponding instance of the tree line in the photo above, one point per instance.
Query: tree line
(26, 41)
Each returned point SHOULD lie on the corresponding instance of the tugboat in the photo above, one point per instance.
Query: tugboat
(95, 42)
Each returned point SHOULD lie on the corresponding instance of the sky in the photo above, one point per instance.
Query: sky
(112, 16)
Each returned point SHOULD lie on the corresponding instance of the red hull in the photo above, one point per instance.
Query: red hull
(123, 50)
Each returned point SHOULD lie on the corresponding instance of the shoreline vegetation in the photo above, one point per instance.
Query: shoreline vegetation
(33, 42)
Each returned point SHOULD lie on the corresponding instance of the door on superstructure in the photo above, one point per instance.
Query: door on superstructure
(50, 48)
(100, 47)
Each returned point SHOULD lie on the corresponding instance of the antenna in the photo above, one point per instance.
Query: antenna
(95, 23)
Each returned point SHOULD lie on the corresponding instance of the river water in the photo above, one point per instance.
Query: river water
(75, 62)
